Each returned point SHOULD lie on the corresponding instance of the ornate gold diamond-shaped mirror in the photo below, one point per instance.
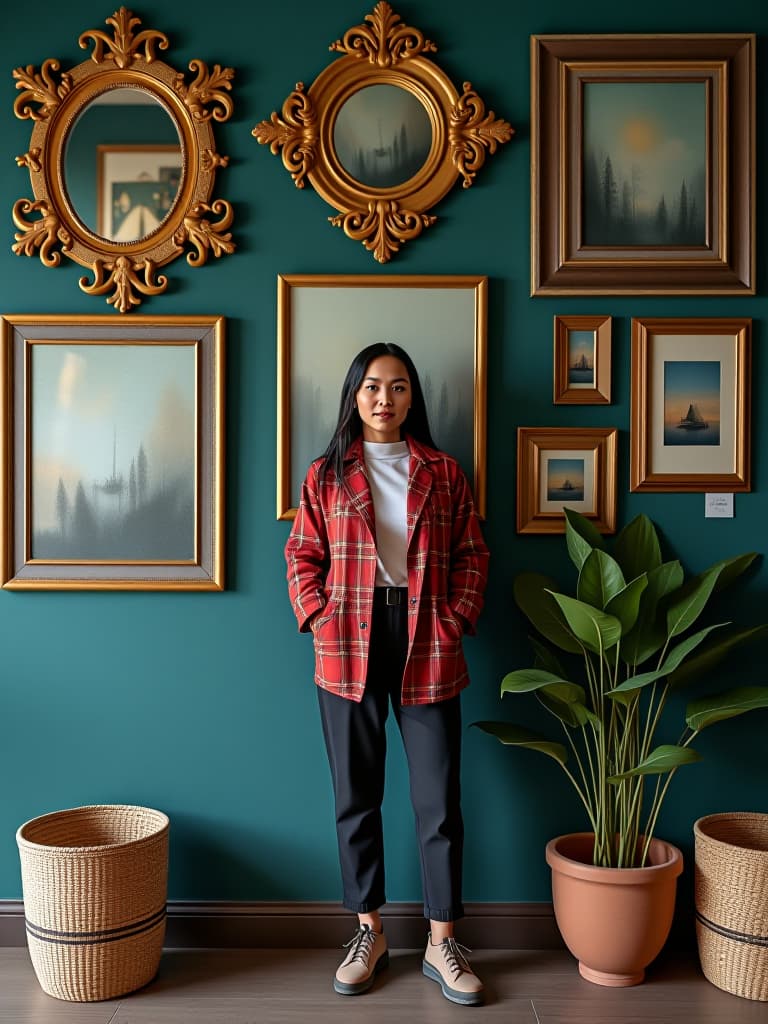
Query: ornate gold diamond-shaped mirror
(122, 161)
(382, 134)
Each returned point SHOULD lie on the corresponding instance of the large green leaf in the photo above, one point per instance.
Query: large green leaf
(732, 568)
(673, 659)
(600, 579)
(526, 679)
(697, 667)
(596, 630)
(719, 706)
(515, 736)
(649, 633)
(637, 548)
(688, 603)
(546, 658)
(626, 604)
(662, 759)
(581, 536)
(533, 596)
(565, 705)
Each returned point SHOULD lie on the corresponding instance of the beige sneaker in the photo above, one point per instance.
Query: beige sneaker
(366, 957)
(446, 963)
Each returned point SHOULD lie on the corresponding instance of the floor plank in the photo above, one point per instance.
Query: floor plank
(276, 986)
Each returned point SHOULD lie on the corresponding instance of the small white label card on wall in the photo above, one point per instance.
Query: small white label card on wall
(718, 506)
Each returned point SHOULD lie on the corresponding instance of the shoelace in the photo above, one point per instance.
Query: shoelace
(364, 939)
(456, 957)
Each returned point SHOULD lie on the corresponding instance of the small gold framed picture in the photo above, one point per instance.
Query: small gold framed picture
(582, 361)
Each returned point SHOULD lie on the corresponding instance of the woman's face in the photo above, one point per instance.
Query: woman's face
(383, 399)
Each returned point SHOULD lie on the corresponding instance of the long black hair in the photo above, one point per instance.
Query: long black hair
(349, 425)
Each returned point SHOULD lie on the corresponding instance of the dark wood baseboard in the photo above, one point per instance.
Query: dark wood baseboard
(305, 925)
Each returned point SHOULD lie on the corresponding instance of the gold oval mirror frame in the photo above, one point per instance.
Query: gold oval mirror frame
(50, 226)
(391, 208)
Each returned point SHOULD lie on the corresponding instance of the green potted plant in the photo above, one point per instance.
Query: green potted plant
(606, 661)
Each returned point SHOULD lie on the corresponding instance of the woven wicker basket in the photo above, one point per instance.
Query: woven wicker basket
(731, 891)
(95, 886)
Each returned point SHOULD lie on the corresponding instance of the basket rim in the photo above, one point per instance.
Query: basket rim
(29, 844)
(729, 815)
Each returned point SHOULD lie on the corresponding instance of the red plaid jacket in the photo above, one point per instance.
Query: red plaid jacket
(331, 556)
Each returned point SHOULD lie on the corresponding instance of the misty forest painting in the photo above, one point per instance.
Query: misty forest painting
(113, 451)
(645, 163)
(382, 136)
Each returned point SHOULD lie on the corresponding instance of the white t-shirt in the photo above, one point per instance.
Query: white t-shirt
(388, 466)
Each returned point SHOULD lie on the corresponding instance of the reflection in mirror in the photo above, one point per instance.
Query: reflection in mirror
(382, 136)
(123, 165)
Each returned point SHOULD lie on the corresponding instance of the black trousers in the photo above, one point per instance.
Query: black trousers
(356, 744)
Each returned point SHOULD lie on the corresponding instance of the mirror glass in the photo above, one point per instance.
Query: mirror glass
(382, 136)
(123, 165)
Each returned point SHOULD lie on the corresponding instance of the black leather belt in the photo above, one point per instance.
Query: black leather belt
(390, 596)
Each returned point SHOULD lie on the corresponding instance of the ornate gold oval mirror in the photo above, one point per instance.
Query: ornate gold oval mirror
(122, 161)
(382, 134)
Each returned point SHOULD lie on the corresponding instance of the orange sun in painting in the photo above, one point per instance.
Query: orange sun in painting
(640, 135)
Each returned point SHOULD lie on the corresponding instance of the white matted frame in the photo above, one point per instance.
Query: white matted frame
(112, 474)
(325, 320)
(565, 466)
(137, 186)
(691, 404)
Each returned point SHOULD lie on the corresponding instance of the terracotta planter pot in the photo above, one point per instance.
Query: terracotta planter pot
(614, 920)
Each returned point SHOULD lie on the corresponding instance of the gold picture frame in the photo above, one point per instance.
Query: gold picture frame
(582, 360)
(123, 67)
(643, 164)
(325, 320)
(131, 177)
(566, 466)
(382, 134)
(112, 474)
(690, 419)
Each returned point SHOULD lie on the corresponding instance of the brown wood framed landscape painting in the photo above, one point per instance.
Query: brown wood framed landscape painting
(582, 360)
(690, 404)
(643, 167)
(565, 466)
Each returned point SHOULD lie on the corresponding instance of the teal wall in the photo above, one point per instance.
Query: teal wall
(202, 704)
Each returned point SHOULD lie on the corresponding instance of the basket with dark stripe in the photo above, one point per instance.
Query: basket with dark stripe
(731, 891)
(95, 883)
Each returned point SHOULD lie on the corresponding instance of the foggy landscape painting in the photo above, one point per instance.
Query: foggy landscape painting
(113, 451)
(436, 326)
(692, 402)
(382, 136)
(645, 163)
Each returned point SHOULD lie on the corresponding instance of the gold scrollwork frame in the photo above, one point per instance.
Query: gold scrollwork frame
(383, 52)
(52, 99)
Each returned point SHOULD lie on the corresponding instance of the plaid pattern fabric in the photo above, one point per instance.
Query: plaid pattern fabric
(331, 557)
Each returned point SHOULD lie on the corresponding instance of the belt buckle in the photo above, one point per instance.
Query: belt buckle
(392, 597)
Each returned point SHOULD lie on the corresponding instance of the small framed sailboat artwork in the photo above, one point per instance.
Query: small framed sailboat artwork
(565, 467)
(690, 405)
(582, 360)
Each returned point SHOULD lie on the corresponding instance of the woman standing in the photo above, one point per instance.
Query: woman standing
(387, 567)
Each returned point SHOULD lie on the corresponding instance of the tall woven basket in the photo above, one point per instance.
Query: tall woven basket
(731, 891)
(95, 885)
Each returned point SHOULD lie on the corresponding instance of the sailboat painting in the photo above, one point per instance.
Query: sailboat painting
(113, 451)
(691, 402)
(382, 136)
(581, 359)
(565, 479)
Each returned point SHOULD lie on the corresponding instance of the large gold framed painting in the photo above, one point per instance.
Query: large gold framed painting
(113, 467)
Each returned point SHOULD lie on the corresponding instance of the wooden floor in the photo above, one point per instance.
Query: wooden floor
(294, 987)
